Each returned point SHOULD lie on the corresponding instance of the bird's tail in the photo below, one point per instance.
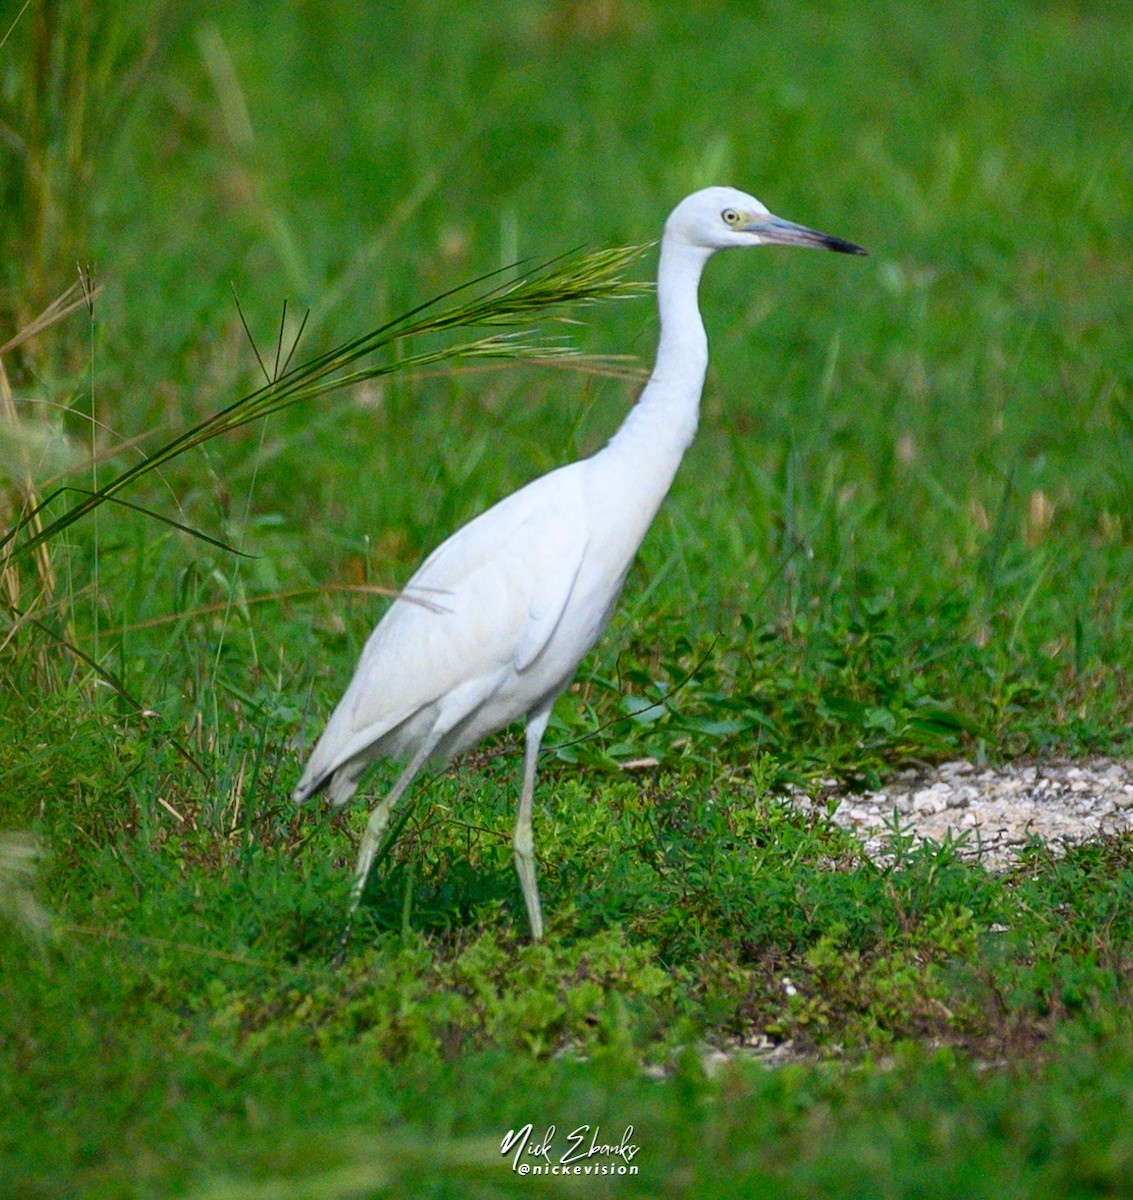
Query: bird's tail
(339, 783)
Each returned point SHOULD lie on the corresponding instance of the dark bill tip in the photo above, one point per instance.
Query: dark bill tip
(829, 242)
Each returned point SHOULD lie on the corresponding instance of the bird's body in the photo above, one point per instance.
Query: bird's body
(481, 635)
(495, 622)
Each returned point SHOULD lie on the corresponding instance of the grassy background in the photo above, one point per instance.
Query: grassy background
(903, 534)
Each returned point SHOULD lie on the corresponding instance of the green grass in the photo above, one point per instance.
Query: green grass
(902, 535)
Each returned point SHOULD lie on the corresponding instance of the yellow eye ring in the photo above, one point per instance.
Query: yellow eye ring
(731, 217)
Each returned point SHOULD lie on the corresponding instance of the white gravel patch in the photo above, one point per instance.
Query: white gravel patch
(998, 808)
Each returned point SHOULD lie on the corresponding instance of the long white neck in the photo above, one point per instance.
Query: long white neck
(661, 425)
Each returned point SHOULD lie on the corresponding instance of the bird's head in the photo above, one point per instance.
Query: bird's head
(722, 218)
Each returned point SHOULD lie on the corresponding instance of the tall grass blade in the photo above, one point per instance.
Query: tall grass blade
(537, 296)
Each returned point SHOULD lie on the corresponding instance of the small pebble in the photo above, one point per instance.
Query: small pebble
(929, 800)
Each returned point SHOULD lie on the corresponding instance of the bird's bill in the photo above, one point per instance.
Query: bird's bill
(774, 231)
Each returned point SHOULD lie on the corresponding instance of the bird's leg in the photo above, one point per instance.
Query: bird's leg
(376, 825)
(524, 840)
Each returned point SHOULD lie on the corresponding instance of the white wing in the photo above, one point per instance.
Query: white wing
(470, 628)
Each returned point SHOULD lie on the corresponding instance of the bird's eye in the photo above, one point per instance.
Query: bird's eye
(731, 217)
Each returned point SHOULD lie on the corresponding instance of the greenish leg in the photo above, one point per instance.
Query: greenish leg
(524, 840)
(376, 826)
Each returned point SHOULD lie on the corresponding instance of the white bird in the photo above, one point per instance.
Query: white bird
(495, 622)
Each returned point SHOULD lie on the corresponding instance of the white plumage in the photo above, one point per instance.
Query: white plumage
(497, 619)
